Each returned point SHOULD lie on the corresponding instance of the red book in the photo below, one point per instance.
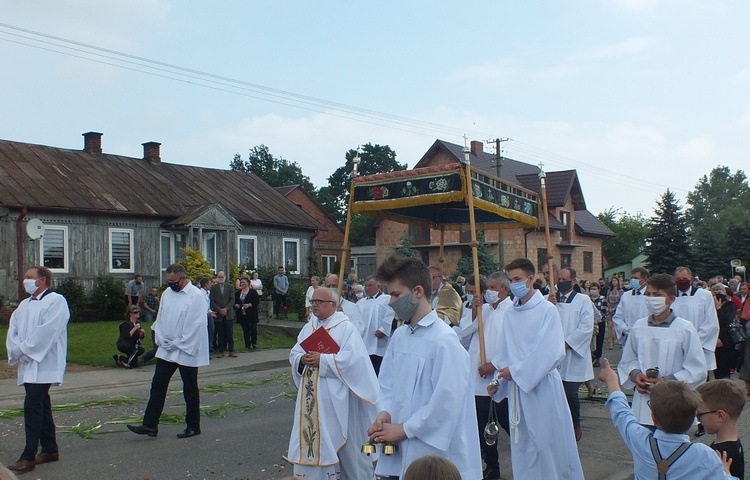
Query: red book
(320, 341)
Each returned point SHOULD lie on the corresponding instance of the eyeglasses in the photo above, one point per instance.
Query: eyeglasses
(135, 311)
(314, 302)
(700, 415)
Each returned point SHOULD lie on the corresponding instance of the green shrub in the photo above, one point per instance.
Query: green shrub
(108, 297)
(72, 289)
(296, 296)
(266, 274)
(195, 264)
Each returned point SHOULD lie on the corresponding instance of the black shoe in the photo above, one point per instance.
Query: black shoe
(143, 430)
(596, 362)
(700, 431)
(189, 432)
(117, 360)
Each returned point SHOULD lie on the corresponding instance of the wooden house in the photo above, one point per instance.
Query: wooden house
(577, 234)
(106, 214)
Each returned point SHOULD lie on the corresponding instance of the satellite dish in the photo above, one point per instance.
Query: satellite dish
(736, 262)
(35, 229)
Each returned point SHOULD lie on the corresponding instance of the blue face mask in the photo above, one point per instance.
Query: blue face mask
(635, 284)
(519, 289)
(469, 298)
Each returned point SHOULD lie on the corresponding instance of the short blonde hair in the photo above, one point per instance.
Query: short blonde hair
(432, 467)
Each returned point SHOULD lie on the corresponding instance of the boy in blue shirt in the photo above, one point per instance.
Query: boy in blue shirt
(667, 453)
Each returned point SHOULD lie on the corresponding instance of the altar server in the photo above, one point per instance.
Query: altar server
(37, 342)
(542, 443)
(377, 321)
(335, 399)
(427, 401)
(697, 306)
(631, 307)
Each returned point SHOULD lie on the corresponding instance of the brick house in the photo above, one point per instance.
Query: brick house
(329, 238)
(577, 234)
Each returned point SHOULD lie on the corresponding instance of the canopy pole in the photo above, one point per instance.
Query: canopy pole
(474, 248)
(542, 177)
(345, 246)
(441, 257)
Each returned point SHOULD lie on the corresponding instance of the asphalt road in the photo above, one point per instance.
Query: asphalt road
(245, 430)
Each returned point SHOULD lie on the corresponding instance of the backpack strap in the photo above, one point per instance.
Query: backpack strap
(663, 464)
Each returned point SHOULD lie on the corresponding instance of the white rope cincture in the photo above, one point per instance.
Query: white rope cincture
(515, 411)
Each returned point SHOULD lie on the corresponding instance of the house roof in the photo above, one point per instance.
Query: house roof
(587, 223)
(51, 178)
(286, 190)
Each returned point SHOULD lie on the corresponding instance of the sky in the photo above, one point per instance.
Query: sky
(637, 95)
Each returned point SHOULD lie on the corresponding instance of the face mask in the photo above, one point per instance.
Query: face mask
(222, 280)
(360, 295)
(635, 284)
(491, 296)
(29, 284)
(594, 293)
(175, 286)
(519, 289)
(405, 307)
(683, 284)
(469, 298)
(655, 305)
(564, 286)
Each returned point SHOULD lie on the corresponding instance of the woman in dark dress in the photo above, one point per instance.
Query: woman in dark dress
(246, 302)
(725, 352)
(129, 341)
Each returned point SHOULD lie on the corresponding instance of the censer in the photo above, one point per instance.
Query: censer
(491, 430)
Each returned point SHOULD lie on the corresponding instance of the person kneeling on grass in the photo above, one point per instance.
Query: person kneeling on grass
(666, 453)
(129, 342)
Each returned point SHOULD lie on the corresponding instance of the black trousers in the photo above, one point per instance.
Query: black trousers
(574, 402)
(159, 385)
(37, 418)
(225, 334)
(489, 452)
(249, 332)
(599, 340)
(279, 304)
(376, 360)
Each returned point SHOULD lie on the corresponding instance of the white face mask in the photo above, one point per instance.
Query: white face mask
(655, 305)
(491, 296)
(29, 284)
(359, 294)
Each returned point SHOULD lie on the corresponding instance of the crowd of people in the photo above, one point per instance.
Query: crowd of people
(428, 372)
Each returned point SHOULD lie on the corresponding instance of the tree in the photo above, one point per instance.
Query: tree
(668, 246)
(406, 250)
(630, 235)
(707, 261)
(374, 159)
(487, 263)
(277, 172)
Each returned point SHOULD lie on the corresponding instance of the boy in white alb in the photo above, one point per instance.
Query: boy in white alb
(660, 341)
(377, 321)
(531, 348)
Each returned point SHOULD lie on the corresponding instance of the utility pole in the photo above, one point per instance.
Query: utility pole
(498, 164)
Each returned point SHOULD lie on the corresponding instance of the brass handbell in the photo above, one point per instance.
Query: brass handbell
(368, 448)
(389, 448)
(491, 431)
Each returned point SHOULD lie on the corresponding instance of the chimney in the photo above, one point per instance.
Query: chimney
(92, 142)
(477, 148)
(151, 152)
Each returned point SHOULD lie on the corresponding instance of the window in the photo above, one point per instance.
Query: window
(291, 255)
(565, 220)
(541, 258)
(54, 246)
(120, 250)
(465, 236)
(419, 235)
(247, 252)
(209, 249)
(327, 262)
(566, 260)
(179, 242)
(166, 254)
(588, 262)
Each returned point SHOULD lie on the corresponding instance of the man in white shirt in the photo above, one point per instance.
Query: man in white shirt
(697, 306)
(631, 307)
(377, 319)
(494, 290)
(183, 344)
(577, 316)
(37, 342)
(426, 402)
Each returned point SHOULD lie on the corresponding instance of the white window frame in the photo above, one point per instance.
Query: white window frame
(325, 259)
(132, 249)
(283, 255)
(66, 257)
(162, 235)
(255, 249)
(206, 236)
